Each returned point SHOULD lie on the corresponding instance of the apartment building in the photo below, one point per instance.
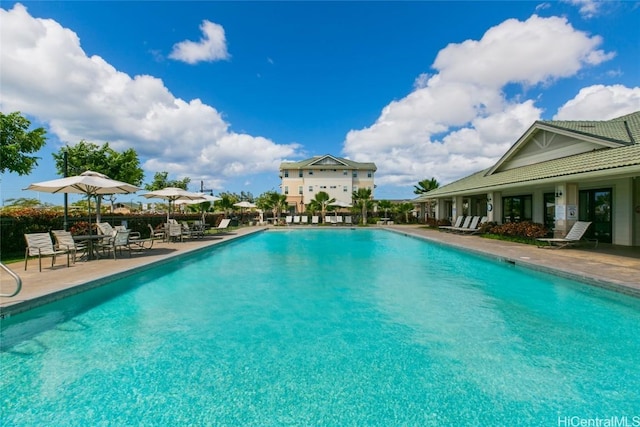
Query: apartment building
(336, 176)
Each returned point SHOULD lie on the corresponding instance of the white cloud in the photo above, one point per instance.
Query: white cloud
(587, 8)
(46, 74)
(211, 47)
(460, 119)
(600, 102)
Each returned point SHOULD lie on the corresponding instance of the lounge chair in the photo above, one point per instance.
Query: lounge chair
(288, 219)
(296, 219)
(338, 220)
(470, 224)
(465, 224)
(224, 225)
(573, 237)
(39, 245)
(315, 219)
(457, 224)
(348, 220)
(64, 241)
(304, 219)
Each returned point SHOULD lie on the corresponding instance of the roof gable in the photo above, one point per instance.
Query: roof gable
(326, 160)
(548, 140)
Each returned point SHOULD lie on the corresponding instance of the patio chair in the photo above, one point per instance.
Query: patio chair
(296, 219)
(156, 234)
(119, 241)
(348, 220)
(40, 245)
(288, 219)
(64, 241)
(573, 237)
(338, 220)
(304, 219)
(174, 232)
(315, 219)
(224, 225)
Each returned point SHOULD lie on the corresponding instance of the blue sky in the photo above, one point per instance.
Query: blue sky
(223, 92)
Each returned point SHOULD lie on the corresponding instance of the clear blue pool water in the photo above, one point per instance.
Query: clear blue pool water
(325, 327)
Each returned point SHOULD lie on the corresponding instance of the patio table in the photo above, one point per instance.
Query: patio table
(92, 253)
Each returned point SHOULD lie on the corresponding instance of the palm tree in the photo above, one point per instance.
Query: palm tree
(273, 201)
(404, 209)
(425, 186)
(386, 206)
(320, 203)
(362, 199)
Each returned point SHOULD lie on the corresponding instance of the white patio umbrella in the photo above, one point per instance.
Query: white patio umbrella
(244, 204)
(171, 194)
(340, 204)
(205, 198)
(90, 183)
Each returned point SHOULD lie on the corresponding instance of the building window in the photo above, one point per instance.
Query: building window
(345, 173)
(286, 189)
(286, 174)
(355, 174)
(300, 174)
(323, 187)
(333, 186)
(517, 208)
(310, 172)
(311, 189)
(345, 189)
(300, 189)
(369, 174)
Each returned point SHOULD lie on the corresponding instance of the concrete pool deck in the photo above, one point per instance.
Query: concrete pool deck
(612, 267)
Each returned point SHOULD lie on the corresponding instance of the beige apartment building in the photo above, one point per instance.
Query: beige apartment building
(336, 176)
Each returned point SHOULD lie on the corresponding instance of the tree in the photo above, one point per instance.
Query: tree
(320, 203)
(386, 206)
(362, 199)
(227, 201)
(405, 209)
(160, 181)
(84, 156)
(24, 202)
(16, 142)
(425, 186)
(274, 201)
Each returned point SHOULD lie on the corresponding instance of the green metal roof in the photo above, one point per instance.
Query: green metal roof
(343, 164)
(625, 129)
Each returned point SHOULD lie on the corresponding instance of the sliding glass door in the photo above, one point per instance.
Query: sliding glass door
(595, 206)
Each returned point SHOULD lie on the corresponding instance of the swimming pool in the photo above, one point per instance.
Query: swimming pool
(325, 327)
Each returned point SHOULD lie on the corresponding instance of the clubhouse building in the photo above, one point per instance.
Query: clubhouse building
(557, 173)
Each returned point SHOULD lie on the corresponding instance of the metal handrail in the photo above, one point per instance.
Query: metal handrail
(16, 277)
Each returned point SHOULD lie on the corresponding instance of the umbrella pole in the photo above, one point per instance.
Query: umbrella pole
(89, 211)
